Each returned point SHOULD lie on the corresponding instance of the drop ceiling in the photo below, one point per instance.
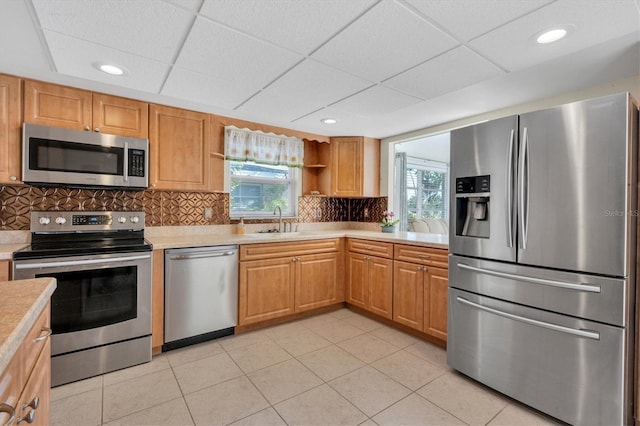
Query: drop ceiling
(380, 67)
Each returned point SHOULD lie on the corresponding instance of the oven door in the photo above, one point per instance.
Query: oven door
(100, 299)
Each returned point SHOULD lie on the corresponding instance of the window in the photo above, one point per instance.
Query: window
(256, 189)
(427, 189)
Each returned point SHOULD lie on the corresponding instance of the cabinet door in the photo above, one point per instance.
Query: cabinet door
(179, 143)
(380, 277)
(346, 167)
(357, 287)
(10, 122)
(59, 106)
(316, 281)
(266, 290)
(408, 294)
(36, 397)
(435, 302)
(120, 116)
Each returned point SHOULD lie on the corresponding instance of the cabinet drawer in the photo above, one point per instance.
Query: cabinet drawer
(30, 347)
(292, 248)
(423, 255)
(372, 248)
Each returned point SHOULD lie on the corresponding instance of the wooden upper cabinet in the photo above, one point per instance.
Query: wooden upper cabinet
(120, 116)
(10, 123)
(355, 167)
(59, 106)
(53, 105)
(179, 141)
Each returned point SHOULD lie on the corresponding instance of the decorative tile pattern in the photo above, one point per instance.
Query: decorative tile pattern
(162, 208)
(168, 208)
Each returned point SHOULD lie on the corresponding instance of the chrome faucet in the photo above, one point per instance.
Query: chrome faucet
(279, 210)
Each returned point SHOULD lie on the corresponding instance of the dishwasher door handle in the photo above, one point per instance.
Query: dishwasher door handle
(202, 255)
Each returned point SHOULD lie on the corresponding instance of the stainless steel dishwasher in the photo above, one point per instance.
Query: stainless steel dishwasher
(200, 294)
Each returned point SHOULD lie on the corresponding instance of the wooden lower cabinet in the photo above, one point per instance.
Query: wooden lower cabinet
(157, 302)
(435, 302)
(370, 283)
(273, 287)
(266, 290)
(316, 281)
(408, 294)
(26, 382)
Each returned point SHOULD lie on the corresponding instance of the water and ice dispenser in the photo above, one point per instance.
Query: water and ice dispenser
(473, 196)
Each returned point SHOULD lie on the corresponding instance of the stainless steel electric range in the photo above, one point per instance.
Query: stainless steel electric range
(101, 309)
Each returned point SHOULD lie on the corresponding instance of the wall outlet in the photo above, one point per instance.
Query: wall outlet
(318, 213)
(208, 213)
(366, 212)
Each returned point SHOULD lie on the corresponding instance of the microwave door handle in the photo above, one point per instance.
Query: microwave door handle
(125, 174)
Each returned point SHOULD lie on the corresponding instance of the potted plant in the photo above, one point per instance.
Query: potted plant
(388, 223)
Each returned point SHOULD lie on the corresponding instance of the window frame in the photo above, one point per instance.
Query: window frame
(295, 190)
(433, 166)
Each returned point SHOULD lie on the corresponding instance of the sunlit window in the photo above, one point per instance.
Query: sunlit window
(256, 189)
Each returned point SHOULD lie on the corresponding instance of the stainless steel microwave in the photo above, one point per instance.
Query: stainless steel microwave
(73, 158)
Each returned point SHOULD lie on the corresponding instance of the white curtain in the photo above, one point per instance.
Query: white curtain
(260, 147)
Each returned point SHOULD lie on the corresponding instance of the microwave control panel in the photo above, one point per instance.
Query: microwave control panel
(136, 163)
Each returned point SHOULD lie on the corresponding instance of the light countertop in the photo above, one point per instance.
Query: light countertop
(21, 302)
(413, 238)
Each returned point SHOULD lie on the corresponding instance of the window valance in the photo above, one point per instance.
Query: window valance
(260, 147)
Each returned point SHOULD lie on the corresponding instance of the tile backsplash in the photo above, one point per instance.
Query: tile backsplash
(168, 208)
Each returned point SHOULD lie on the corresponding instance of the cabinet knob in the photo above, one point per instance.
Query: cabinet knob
(35, 402)
(29, 418)
(96, 129)
(87, 128)
(6, 408)
(13, 178)
(418, 268)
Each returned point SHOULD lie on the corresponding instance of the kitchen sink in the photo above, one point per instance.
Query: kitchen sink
(273, 235)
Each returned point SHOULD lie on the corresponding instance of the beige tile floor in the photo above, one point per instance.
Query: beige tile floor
(337, 368)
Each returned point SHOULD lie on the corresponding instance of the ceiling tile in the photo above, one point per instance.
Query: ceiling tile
(467, 19)
(376, 101)
(17, 37)
(311, 80)
(148, 28)
(449, 72)
(274, 107)
(347, 123)
(513, 46)
(232, 56)
(385, 41)
(297, 25)
(192, 5)
(76, 57)
(205, 88)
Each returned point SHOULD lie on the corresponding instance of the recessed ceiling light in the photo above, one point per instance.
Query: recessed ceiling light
(329, 120)
(109, 68)
(549, 36)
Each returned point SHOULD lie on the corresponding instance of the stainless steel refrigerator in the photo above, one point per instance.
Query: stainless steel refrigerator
(543, 258)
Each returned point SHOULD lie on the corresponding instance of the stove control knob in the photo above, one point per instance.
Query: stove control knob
(122, 219)
(44, 221)
(135, 219)
(61, 220)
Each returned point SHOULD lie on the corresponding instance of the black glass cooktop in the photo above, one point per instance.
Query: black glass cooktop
(79, 244)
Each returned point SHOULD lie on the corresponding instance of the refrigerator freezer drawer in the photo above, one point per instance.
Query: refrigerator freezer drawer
(569, 368)
(596, 298)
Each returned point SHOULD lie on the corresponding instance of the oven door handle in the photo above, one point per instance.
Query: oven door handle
(81, 262)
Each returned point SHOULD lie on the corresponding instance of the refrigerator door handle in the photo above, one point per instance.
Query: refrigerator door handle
(552, 283)
(509, 190)
(523, 196)
(567, 330)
